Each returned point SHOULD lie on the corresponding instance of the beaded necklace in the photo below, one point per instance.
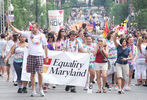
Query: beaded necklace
(36, 42)
(75, 47)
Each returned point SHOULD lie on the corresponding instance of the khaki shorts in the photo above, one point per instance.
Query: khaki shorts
(122, 70)
(101, 66)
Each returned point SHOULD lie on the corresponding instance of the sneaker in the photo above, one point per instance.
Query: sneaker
(86, 86)
(122, 92)
(19, 90)
(24, 90)
(93, 82)
(67, 88)
(41, 92)
(115, 87)
(90, 86)
(45, 89)
(144, 85)
(54, 86)
(15, 84)
(127, 88)
(33, 93)
(73, 91)
(106, 85)
(110, 88)
(119, 91)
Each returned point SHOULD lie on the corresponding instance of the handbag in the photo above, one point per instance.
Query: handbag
(106, 60)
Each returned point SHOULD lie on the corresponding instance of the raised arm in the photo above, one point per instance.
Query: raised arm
(105, 51)
(13, 28)
(115, 37)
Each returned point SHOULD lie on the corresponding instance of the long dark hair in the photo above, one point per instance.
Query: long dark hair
(15, 37)
(51, 35)
(122, 39)
(59, 35)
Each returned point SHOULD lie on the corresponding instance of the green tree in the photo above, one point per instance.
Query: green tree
(24, 13)
(140, 10)
(120, 12)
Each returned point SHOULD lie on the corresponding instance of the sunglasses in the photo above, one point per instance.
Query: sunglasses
(100, 41)
(50, 37)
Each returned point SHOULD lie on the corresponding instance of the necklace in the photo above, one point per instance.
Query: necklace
(36, 42)
(73, 47)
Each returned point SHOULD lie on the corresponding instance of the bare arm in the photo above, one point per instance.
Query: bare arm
(115, 42)
(135, 55)
(13, 28)
(130, 56)
(105, 51)
(3, 50)
(46, 51)
(10, 53)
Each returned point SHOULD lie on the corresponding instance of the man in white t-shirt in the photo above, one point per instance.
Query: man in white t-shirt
(37, 44)
(72, 45)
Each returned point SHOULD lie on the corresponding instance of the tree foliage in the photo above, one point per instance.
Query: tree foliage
(140, 10)
(120, 13)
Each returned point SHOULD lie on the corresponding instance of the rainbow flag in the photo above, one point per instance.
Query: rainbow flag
(106, 30)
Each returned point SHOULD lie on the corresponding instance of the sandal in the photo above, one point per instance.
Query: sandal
(99, 91)
(138, 84)
(104, 90)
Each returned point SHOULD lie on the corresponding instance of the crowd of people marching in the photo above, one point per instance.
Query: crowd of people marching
(127, 56)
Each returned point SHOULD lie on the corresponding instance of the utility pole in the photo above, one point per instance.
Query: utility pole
(37, 11)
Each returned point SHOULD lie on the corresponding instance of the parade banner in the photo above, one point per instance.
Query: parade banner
(63, 68)
(56, 19)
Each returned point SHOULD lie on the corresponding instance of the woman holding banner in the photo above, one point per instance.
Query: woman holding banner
(101, 66)
(89, 47)
(18, 50)
(72, 45)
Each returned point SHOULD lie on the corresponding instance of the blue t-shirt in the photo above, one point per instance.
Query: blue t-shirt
(122, 53)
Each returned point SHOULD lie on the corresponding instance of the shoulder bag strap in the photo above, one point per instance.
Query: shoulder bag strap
(103, 54)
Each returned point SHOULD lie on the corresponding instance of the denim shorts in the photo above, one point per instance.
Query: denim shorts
(2, 61)
(131, 67)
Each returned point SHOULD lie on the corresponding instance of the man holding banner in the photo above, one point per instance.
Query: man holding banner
(37, 41)
(73, 45)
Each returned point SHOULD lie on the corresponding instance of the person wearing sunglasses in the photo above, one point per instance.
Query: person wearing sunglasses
(101, 65)
(51, 40)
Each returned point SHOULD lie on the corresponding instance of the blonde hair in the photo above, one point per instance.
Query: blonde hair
(139, 42)
(104, 41)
